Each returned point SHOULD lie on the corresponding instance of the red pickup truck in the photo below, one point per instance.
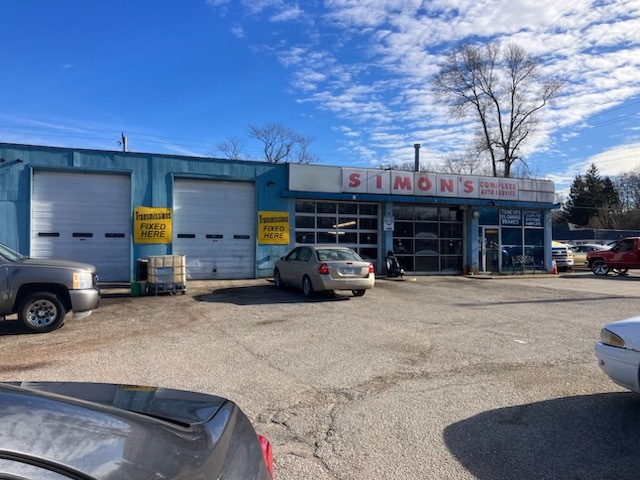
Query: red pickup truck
(623, 256)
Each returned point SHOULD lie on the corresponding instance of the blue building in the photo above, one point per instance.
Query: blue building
(233, 219)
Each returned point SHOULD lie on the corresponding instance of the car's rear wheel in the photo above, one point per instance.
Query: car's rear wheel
(42, 312)
(307, 286)
(277, 281)
(599, 267)
(358, 293)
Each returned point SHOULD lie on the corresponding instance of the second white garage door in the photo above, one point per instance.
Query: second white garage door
(214, 226)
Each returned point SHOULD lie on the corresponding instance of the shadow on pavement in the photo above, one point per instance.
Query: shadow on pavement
(267, 294)
(584, 437)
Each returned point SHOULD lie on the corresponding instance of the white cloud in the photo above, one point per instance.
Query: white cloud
(616, 160)
(370, 62)
(238, 31)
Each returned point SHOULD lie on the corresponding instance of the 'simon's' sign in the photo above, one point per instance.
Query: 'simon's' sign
(428, 184)
(152, 225)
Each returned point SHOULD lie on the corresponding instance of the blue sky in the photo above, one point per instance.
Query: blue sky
(181, 77)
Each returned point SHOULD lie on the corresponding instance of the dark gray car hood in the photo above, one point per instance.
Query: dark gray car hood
(120, 431)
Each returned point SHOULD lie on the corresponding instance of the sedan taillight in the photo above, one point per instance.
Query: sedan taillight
(323, 269)
(268, 454)
(371, 269)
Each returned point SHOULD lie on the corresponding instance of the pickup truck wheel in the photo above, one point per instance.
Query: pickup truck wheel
(42, 312)
(600, 267)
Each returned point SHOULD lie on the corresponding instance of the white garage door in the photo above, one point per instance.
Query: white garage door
(84, 217)
(214, 226)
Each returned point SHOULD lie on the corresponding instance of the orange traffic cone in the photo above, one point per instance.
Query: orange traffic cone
(554, 267)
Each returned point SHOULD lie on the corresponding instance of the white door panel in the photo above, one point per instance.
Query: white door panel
(83, 217)
(214, 227)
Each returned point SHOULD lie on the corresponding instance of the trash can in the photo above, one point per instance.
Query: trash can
(137, 288)
(141, 269)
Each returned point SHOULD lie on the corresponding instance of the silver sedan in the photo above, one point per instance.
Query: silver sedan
(321, 268)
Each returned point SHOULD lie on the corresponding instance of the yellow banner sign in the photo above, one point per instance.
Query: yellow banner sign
(273, 228)
(152, 225)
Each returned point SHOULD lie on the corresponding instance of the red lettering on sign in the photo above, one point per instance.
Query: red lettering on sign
(402, 183)
(354, 180)
(468, 186)
(424, 184)
(378, 181)
(446, 185)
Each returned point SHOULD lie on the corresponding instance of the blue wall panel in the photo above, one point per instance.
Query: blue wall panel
(152, 179)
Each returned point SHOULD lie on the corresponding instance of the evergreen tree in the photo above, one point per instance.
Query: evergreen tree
(593, 200)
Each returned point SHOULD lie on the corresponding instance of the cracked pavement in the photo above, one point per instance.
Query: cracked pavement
(432, 377)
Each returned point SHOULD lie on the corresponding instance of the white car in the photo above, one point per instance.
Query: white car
(618, 352)
(322, 268)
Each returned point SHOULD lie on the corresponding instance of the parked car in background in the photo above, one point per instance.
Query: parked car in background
(42, 291)
(580, 253)
(624, 255)
(563, 256)
(321, 268)
(618, 352)
(51, 430)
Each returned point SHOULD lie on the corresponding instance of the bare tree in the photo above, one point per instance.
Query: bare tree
(628, 186)
(232, 147)
(281, 144)
(503, 90)
(301, 152)
(404, 167)
(469, 163)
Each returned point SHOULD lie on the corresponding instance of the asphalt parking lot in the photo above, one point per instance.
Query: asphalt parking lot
(432, 377)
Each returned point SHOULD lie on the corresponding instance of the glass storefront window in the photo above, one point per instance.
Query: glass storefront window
(403, 212)
(427, 230)
(350, 224)
(451, 247)
(348, 237)
(369, 238)
(428, 238)
(403, 229)
(488, 216)
(305, 237)
(348, 208)
(305, 207)
(305, 222)
(427, 247)
(369, 210)
(347, 222)
(511, 236)
(451, 230)
(326, 222)
(368, 223)
(426, 213)
(426, 264)
(325, 207)
(450, 214)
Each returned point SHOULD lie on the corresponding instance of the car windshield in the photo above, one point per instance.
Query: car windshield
(9, 254)
(334, 254)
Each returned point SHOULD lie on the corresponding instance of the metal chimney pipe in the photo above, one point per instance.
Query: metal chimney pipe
(417, 161)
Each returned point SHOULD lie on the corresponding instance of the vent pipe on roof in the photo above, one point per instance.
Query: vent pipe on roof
(417, 164)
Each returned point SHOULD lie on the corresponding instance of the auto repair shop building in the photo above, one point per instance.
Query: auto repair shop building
(233, 219)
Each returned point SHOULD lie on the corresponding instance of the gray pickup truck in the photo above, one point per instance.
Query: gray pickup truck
(42, 291)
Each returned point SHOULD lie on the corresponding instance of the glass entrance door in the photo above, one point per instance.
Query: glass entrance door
(489, 249)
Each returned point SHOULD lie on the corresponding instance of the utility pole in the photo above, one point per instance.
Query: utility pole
(124, 143)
